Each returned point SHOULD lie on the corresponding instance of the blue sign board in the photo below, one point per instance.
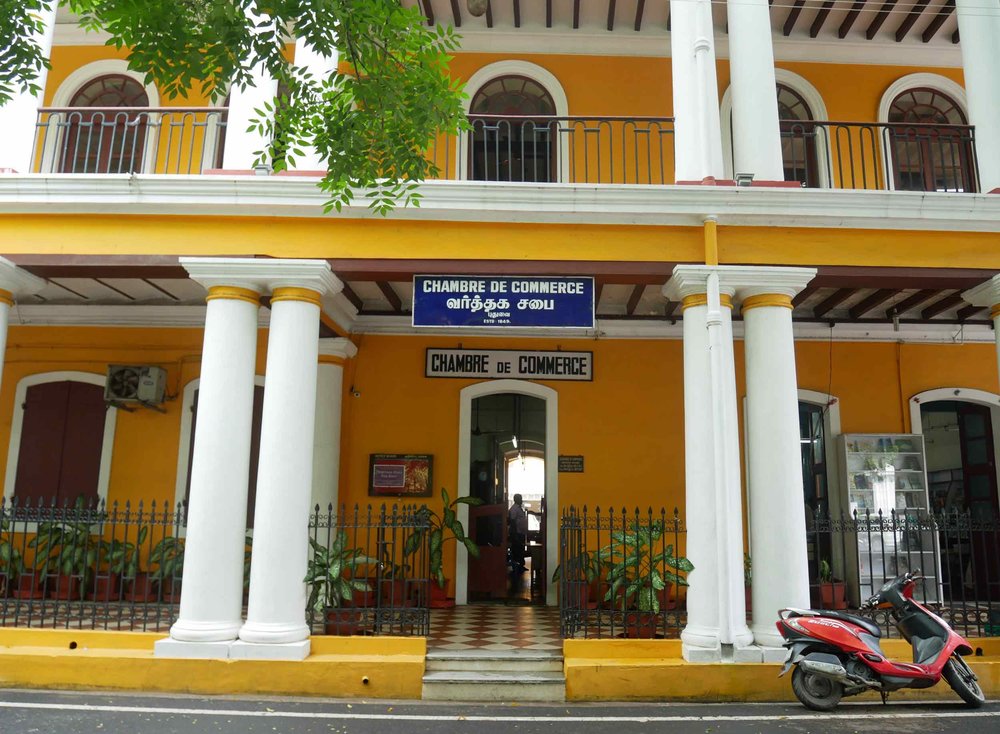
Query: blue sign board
(503, 301)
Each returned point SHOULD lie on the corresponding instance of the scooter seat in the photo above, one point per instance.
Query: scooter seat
(869, 626)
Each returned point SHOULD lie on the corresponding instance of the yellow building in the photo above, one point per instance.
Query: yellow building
(791, 231)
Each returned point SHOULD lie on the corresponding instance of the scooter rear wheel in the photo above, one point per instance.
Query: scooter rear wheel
(816, 691)
(963, 681)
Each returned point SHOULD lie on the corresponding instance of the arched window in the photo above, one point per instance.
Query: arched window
(101, 136)
(513, 134)
(930, 142)
(798, 138)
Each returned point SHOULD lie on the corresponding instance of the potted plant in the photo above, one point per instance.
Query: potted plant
(168, 557)
(584, 574)
(833, 592)
(638, 576)
(337, 583)
(10, 561)
(65, 551)
(433, 527)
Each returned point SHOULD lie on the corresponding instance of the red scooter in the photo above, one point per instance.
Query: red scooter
(836, 654)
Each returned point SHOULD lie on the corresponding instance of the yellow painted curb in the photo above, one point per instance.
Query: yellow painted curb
(369, 667)
(630, 670)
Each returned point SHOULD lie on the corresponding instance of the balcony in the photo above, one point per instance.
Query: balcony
(540, 149)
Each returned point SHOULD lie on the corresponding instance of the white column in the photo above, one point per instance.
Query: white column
(979, 28)
(777, 515)
(275, 626)
(320, 67)
(713, 513)
(14, 282)
(329, 399)
(212, 583)
(697, 133)
(19, 117)
(242, 146)
(987, 295)
(756, 135)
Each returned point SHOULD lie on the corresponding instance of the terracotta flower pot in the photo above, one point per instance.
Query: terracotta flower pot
(171, 591)
(27, 587)
(105, 588)
(833, 594)
(141, 589)
(439, 596)
(64, 588)
(641, 625)
(344, 621)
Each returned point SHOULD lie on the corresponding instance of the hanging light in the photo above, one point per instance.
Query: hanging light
(477, 7)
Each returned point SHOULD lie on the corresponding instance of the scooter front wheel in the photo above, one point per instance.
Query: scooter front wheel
(963, 681)
(816, 691)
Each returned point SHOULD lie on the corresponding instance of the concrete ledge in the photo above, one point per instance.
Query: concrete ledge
(653, 670)
(369, 667)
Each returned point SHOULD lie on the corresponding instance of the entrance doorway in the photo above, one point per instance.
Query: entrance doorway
(962, 479)
(507, 460)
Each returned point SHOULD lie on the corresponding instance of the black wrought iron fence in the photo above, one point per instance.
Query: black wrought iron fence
(369, 571)
(90, 565)
(166, 140)
(883, 156)
(958, 555)
(119, 566)
(621, 573)
(548, 149)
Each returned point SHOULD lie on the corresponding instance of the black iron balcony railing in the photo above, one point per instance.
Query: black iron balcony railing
(538, 149)
(880, 156)
(165, 140)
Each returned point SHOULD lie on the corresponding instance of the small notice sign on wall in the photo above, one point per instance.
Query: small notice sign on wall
(571, 464)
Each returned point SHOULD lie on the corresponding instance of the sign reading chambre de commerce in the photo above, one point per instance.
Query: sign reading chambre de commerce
(515, 301)
(509, 363)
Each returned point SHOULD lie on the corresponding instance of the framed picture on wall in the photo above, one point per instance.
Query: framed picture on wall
(400, 475)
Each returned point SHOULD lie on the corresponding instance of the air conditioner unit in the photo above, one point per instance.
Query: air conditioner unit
(128, 383)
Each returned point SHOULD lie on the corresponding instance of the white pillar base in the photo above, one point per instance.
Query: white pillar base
(697, 654)
(242, 650)
(200, 632)
(169, 647)
(273, 633)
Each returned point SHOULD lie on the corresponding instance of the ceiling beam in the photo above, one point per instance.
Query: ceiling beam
(669, 307)
(858, 276)
(517, 13)
(611, 14)
(910, 19)
(110, 287)
(548, 13)
(793, 15)
(872, 302)
(955, 37)
(456, 14)
(428, 9)
(351, 296)
(941, 306)
(489, 13)
(911, 302)
(804, 294)
(640, 8)
(164, 291)
(832, 301)
(964, 313)
(820, 19)
(879, 19)
(852, 15)
(576, 13)
(937, 21)
(391, 296)
(633, 300)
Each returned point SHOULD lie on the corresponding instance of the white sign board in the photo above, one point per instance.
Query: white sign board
(509, 364)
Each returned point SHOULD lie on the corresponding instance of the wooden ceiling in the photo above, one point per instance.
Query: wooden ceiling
(871, 20)
(624, 290)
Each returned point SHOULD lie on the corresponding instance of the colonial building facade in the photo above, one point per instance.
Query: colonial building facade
(790, 215)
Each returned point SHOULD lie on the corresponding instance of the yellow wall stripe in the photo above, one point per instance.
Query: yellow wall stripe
(296, 294)
(701, 299)
(995, 311)
(767, 300)
(6, 297)
(231, 292)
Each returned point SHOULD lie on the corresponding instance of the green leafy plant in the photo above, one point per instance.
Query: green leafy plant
(585, 564)
(434, 527)
(123, 556)
(10, 557)
(168, 557)
(66, 547)
(636, 573)
(747, 570)
(825, 573)
(331, 573)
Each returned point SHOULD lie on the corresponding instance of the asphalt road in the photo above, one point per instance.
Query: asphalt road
(45, 712)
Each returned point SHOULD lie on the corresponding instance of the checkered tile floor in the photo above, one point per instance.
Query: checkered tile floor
(495, 627)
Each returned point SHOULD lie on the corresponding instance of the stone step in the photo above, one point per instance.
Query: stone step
(487, 661)
(495, 686)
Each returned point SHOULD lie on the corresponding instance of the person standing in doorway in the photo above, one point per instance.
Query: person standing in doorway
(517, 534)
